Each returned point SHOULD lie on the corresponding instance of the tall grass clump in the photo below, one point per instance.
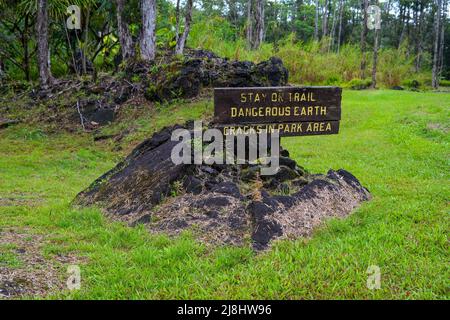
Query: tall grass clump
(394, 66)
(309, 63)
(314, 63)
(218, 35)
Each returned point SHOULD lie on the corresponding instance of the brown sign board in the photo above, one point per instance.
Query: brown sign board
(294, 111)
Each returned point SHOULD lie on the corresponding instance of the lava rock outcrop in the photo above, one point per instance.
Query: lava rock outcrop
(184, 78)
(221, 204)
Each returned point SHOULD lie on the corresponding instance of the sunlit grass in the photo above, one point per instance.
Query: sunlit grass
(396, 143)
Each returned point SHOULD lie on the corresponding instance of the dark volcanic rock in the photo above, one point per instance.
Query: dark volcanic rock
(140, 181)
(288, 162)
(193, 185)
(264, 228)
(229, 188)
(199, 68)
(213, 202)
(222, 203)
(285, 173)
(146, 218)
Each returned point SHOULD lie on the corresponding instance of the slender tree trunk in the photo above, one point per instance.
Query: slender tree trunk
(255, 23)
(26, 53)
(405, 23)
(420, 39)
(316, 22)
(442, 44)
(249, 23)
(341, 10)
(259, 24)
(325, 19)
(177, 21)
(125, 39)
(333, 27)
(187, 25)
(375, 54)
(148, 36)
(375, 58)
(45, 76)
(399, 23)
(437, 30)
(364, 6)
(415, 39)
(233, 16)
(86, 40)
(2, 69)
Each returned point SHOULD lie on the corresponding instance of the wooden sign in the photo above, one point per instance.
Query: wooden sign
(294, 111)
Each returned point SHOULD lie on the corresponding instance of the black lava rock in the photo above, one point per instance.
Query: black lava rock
(229, 188)
(286, 173)
(185, 79)
(288, 162)
(142, 220)
(193, 185)
(213, 202)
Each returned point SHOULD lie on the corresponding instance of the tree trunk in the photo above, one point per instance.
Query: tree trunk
(148, 36)
(187, 25)
(177, 22)
(364, 7)
(316, 22)
(437, 30)
(26, 53)
(2, 68)
(405, 23)
(333, 27)
(255, 23)
(420, 39)
(233, 16)
(325, 19)
(259, 24)
(441, 50)
(375, 58)
(249, 23)
(341, 10)
(45, 76)
(86, 40)
(125, 39)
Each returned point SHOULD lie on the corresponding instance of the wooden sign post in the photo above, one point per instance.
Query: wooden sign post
(293, 111)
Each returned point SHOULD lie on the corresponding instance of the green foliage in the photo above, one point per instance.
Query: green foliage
(444, 83)
(308, 63)
(411, 83)
(359, 84)
(394, 66)
(221, 27)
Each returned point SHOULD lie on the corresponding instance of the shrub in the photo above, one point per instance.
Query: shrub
(411, 83)
(394, 65)
(333, 81)
(444, 83)
(359, 84)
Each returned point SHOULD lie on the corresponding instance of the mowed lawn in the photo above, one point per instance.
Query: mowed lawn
(395, 142)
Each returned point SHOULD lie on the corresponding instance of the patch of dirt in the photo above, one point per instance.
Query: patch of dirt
(213, 218)
(435, 126)
(20, 199)
(31, 274)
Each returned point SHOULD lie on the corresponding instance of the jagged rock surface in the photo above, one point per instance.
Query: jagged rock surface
(185, 78)
(222, 203)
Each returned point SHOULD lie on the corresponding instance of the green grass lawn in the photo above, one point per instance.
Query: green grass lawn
(395, 142)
